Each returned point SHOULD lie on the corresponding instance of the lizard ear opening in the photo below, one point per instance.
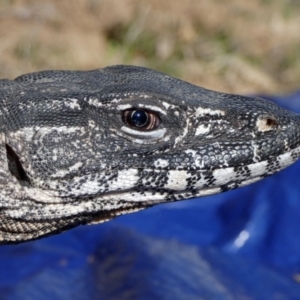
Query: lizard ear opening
(15, 166)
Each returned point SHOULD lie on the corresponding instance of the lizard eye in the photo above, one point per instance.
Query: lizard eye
(141, 119)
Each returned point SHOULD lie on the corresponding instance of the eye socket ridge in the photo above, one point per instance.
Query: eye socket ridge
(141, 119)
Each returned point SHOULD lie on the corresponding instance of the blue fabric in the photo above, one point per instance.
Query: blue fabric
(243, 244)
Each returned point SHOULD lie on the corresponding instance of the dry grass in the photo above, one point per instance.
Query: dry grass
(235, 46)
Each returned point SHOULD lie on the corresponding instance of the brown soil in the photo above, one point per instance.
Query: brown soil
(237, 46)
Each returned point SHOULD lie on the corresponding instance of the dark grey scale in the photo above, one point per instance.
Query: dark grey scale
(208, 177)
(193, 178)
(243, 171)
(155, 178)
(106, 187)
(146, 178)
(162, 192)
(163, 179)
(272, 165)
(191, 182)
(140, 187)
(170, 196)
(192, 191)
(295, 155)
(277, 163)
(149, 179)
(230, 186)
(179, 197)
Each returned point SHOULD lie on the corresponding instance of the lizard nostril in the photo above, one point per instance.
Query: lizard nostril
(271, 122)
(266, 123)
(15, 166)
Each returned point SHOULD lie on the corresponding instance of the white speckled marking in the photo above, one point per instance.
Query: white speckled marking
(161, 163)
(200, 112)
(176, 180)
(202, 129)
(72, 103)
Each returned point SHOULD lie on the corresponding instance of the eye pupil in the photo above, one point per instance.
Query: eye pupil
(139, 118)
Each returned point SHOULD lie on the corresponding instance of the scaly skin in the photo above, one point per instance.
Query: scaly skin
(71, 152)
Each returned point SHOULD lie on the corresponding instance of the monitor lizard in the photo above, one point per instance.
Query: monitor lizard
(81, 147)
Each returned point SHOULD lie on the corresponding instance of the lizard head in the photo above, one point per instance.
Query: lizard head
(83, 147)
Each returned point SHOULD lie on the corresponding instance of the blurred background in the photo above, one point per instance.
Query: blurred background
(243, 244)
(232, 46)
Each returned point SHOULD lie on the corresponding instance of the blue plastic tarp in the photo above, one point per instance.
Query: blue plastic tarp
(243, 244)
